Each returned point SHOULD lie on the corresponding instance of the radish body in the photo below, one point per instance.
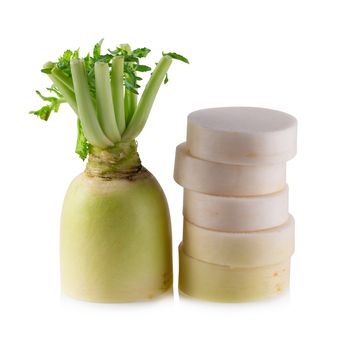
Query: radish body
(115, 239)
(115, 225)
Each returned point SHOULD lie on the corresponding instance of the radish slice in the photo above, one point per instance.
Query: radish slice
(212, 282)
(227, 179)
(242, 135)
(236, 214)
(252, 249)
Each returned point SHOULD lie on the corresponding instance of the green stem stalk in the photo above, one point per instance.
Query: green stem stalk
(104, 101)
(130, 104)
(143, 109)
(67, 94)
(86, 108)
(65, 86)
(130, 99)
(68, 82)
(118, 91)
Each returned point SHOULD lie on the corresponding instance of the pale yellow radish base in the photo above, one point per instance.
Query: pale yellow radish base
(220, 283)
(115, 240)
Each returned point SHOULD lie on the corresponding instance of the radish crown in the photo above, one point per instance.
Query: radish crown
(102, 89)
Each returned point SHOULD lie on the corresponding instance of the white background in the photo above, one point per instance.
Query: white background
(287, 55)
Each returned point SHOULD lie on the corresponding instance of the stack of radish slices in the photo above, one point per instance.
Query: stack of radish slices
(238, 235)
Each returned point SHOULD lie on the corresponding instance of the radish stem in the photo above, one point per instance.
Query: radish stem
(130, 99)
(63, 84)
(130, 103)
(104, 101)
(117, 91)
(68, 95)
(86, 108)
(143, 109)
(63, 78)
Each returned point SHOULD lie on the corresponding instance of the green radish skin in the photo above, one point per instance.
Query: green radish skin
(115, 239)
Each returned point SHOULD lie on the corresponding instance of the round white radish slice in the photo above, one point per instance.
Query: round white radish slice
(213, 282)
(252, 249)
(227, 179)
(242, 135)
(236, 214)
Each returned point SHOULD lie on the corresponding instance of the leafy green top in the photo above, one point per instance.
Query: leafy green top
(64, 89)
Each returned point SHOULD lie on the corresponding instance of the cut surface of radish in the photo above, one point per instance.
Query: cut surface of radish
(236, 214)
(227, 179)
(252, 249)
(213, 282)
(242, 135)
